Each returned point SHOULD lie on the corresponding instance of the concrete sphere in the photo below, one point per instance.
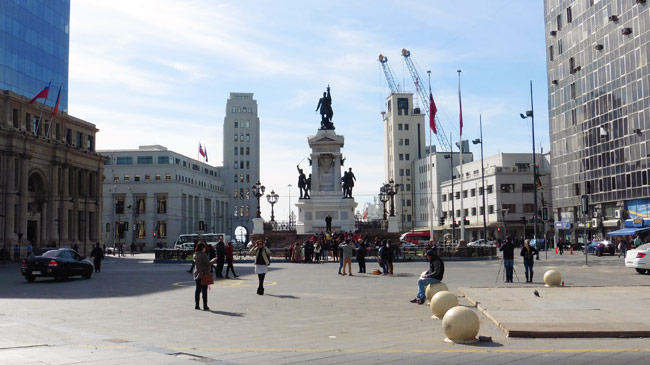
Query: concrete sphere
(552, 278)
(441, 302)
(461, 324)
(432, 289)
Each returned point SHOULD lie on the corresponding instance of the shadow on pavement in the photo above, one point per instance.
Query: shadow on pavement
(229, 314)
(283, 296)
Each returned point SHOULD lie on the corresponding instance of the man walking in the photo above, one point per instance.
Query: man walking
(98, 255)
(221, 257)
(362, 251)
(508, 249)
(433, 275)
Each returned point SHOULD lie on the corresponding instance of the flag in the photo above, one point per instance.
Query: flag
(365, 213)
(460, 107)
(206, 154)
(432, 113)
(201, 152)
(56, 106)
(43, 94)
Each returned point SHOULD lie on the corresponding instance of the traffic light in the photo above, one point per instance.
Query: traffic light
(466, 222)
(523, 220)
(155, 234)
(441, 221)
(545, 213)
(498, 229)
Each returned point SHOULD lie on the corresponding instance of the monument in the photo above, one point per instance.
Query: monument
(326, 198)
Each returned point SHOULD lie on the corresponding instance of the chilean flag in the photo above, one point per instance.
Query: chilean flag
(460, 107)
(201, 152)
(432, 113)
(56, 106)
(206, 154)
(43, 94)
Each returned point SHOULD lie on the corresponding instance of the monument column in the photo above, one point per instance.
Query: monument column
(22, 209)
(10, 196)
(65, 196)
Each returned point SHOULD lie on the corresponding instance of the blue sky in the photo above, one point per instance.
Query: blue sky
(160, 72)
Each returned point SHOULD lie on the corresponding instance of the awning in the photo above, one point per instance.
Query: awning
(628, 231)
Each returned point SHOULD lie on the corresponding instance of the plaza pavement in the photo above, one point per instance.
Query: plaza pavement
(137, 312)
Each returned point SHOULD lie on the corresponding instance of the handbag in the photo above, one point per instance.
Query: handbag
(206, 279)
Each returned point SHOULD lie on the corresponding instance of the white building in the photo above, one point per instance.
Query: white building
(509, 195)
(404, 143)
(152, 195)
(241, 158)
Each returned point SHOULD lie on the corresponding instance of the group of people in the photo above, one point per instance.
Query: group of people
(220, 253)
(527, 252)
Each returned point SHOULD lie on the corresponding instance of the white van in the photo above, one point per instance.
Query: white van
(186, 241)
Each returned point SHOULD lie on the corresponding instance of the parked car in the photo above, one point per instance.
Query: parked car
(639, 259)
(58, 263)
(601, 247)
(482, 243)
(407, 244)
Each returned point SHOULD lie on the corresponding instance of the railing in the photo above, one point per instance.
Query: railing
(280, 226)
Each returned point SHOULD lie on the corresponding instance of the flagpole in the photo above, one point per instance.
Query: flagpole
(429, 164)
(460, 146)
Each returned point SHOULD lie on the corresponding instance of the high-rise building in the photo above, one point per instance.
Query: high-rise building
(34, 43)
(404, 132)
(241, 158)
(599, 111)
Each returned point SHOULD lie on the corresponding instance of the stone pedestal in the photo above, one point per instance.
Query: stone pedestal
(326, 194)
(392, 225)
(258, 226)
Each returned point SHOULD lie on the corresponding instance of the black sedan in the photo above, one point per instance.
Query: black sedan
(56, 263)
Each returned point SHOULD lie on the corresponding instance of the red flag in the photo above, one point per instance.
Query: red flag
(201, 152)
(432, 113)
(56, 106)
(460, 106)
(365, 214)
(43, 94)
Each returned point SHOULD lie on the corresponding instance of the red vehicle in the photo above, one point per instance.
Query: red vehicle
(417, 238)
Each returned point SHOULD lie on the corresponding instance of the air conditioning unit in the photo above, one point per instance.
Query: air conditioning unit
(613, 18)
(626, 31)
(599, 47)
(618, 214)
(594, 223)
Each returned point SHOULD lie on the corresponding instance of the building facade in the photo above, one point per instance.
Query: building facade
(153, 195)
(509, 190)
(404, 143)
(241, 158)
(34, 43)
(50, 177)
(599, 110)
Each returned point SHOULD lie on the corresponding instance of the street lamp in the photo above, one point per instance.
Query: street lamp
(477, 141)
(258, 192)
(391, 189)
(272, 199)
(529, 114)
(383, 198)
(453, 209)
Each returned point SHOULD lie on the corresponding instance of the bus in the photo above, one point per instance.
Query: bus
(420, 238)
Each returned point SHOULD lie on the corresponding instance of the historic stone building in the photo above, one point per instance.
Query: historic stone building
(50, 177)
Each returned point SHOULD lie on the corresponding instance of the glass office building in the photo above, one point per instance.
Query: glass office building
(599, 110)
(34, 44)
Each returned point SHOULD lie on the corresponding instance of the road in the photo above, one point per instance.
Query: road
(137, 312)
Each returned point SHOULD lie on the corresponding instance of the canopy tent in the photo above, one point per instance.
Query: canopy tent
(628, 231)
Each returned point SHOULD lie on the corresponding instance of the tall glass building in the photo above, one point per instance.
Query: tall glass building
(599, 110)
(34, 45)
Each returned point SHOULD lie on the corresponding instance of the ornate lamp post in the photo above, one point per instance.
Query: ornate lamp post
(272, 199)
(383, 198)
(258, 192)
(391, 189)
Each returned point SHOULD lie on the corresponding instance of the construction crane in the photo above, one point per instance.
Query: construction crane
(442, 137)
(389, 74)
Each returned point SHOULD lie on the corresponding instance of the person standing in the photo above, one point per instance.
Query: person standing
(433, 275)
(328, 223)
(98, 255)
(30, 249)
(386, 255)
(16, 253)
(346, 253)
(528, 254)
(637, 241)
(317, 250)
(221, 257)
(508, 250)
(201, 268)
(622, 247)
(133, 247)
(362, 251)
(262, 261)
(230, 255)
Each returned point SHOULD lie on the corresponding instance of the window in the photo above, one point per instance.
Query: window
(408, 172)
(241, 137)
(236, 164)
(464, 194)
(120, 228)
(399, 126)
(510, 207)
(162, 204)
(401, 157)
(472, 192)
(157, 177)
(569, 15)
(140, 204)
(236, 193)
(79, 139)
(248, 165)
(406, 126)
(163, 160)
(248, 151)
(507, 188)
(558, 21)
(126, 178)
(527, 188)
(248, 211)
(141, 229)
(235, 177)
(550, 53)
(248, 123)
(236, 211)
(162, 229)
(572, 65)
(248, 194)
(444, 197)
(573, 90)
(402, 106)
(401, 172)
(168, 177)
(559, 46)
(128, 160)
(236, 124)
(145, 160)
(116, 177)
(529, 208)
(408, 187)
(406, 141)
(136, 178)
(490, 209)
(236, 137)
(236, 151)
(241, 165)
(147, 177)
(119, 205)
(248, 137)
(400, 142)
(473, 211)
(241, 177)
(241, 151)
(248, 178)
(408, 157)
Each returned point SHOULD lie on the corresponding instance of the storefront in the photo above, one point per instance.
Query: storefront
(633, 227)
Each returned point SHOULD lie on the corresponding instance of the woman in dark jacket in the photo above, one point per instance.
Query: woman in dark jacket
(201, 267)
(528, 254)
(261, 256)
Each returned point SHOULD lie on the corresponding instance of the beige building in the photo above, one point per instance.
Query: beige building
(50, 177)
(404, 132)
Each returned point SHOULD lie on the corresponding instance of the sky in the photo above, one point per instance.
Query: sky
(160, 72)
